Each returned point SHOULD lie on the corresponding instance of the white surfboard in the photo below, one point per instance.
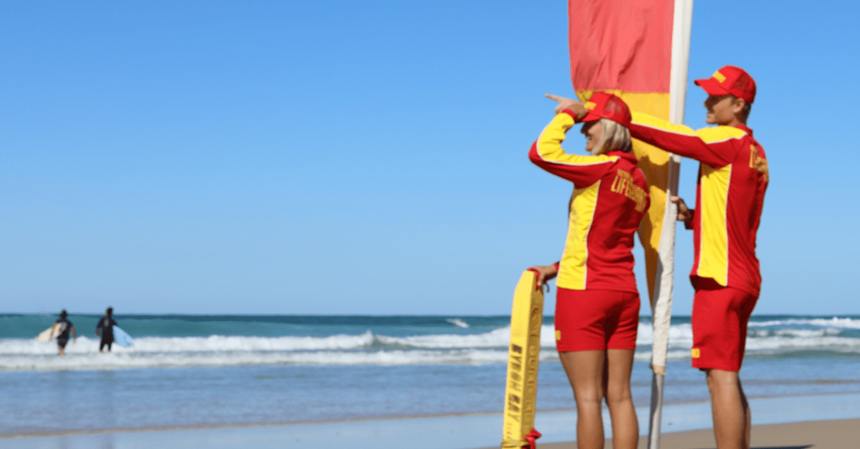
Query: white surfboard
(458, 322)
(121, 338)
(51, 332)
(46, 335)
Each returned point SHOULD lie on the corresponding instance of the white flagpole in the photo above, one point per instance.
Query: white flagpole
(661, 311)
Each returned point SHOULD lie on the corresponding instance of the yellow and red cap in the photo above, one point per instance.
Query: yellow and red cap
(606, 105)
(730, 80)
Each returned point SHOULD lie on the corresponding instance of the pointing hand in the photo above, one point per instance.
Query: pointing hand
(567, 103)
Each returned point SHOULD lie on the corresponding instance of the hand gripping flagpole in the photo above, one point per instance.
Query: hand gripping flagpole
(662, 301)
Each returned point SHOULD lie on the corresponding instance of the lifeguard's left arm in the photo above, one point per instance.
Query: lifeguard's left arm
(715, 146)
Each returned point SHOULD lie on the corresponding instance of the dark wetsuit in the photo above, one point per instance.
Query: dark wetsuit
(63, 338)
(105, 329)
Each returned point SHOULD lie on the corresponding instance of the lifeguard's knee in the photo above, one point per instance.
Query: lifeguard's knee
(719, 380)
(618, 393)
(586, 395)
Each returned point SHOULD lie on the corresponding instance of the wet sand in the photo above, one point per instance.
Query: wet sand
(802, 422)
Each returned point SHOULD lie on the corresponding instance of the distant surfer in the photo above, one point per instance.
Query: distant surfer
(62, 328)
(105, 329)
(597, 304)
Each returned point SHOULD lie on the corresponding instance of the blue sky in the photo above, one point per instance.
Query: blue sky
(367, 158)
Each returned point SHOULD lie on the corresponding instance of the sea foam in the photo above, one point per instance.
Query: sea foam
(770, 338)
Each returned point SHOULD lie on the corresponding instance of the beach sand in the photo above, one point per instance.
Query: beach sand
(838, 434)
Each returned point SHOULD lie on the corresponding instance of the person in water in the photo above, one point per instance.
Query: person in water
(62, 328)
(105, 329)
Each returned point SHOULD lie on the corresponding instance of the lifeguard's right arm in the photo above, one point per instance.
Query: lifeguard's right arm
(685, 214)
(548, 154)
(545, 273)
(714, 146)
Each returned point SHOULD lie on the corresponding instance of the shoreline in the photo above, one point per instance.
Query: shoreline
(466, 431)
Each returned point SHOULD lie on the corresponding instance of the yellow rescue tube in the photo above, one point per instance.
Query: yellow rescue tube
(523, 354)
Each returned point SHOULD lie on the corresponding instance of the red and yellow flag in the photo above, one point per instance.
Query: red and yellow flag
(625, 47)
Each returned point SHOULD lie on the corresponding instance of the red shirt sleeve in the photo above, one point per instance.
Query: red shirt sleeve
(717, 146)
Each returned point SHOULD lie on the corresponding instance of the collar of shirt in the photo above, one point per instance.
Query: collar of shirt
(624, 155)
(744, 128)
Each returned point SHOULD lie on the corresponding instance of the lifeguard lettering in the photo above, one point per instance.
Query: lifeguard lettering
(623, 184)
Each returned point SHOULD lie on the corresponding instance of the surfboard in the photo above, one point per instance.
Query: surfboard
(121, 338)
(521, 385)
(458, 322)
(46, 335)
(51, 332)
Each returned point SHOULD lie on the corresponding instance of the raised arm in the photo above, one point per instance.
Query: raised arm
(546, 152)
(713, 146)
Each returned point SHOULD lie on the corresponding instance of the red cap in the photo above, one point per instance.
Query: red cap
(605, 105)
(730, 80)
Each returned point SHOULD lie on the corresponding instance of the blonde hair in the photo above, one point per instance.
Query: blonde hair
(616, 137)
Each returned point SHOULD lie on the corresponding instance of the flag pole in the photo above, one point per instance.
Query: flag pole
(662, 302)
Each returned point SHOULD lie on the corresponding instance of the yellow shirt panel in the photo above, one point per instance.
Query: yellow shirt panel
(573, 262)
(714, 243)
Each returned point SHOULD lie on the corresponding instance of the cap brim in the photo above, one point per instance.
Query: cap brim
(711, 87)
(591, 117)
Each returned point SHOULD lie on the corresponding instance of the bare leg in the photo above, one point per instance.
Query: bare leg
(585, 371)
(625, 426)
(730, 408)
(747, 417)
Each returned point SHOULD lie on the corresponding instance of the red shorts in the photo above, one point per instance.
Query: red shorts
(590, 320)
(720, 317)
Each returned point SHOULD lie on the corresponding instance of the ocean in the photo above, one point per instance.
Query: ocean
(206, 370)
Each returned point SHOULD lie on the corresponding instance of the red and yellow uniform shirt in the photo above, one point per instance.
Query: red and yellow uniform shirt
(733, 177)
(610, 197)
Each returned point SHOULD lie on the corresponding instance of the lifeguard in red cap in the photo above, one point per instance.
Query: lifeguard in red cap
(733, 176)
(597, 303)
